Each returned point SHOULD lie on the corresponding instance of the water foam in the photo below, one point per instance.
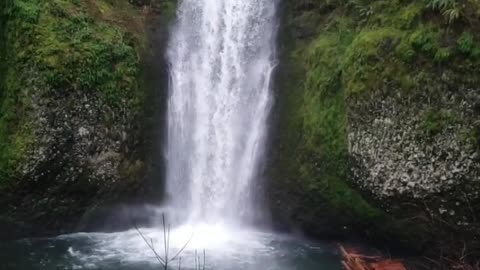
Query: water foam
(222, 245)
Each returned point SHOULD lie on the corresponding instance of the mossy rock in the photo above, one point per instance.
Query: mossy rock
(349, 59)
(72, 97)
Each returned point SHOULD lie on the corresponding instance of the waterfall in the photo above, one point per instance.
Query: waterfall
(221, 55)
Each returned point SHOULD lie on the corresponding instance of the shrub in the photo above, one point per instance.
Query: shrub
(466, 43)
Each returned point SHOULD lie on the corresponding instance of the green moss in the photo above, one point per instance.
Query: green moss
(76, 53)
(405, 52)
(442, 55)
(323, 114)
(15, 135)
(408, 16)
(343, 51)
(368, 61)
(466, 43)
(426, 40)
(165, 7)
(435, 121)
(64, 46)
(168, 7)
(396, 14)
(316, 127)
(471, 136)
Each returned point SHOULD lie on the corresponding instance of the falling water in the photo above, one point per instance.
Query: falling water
(221, 54)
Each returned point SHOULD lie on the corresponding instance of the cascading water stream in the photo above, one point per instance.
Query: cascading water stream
(221, 54)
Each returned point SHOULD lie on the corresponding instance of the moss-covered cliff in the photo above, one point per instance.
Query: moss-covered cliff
(378, 126)
(378, 115)
(72, 91)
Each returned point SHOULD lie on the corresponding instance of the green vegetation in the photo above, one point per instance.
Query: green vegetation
(324, 118)
(450, 9)
(15, 135)
(165, 7)
(435, 121)
(57, 47)
(456, 10)
(342, 51)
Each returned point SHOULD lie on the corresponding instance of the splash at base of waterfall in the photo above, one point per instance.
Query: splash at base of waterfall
(225, 249)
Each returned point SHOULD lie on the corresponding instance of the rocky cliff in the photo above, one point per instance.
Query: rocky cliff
(72, 99)
(377, 122)
(377, 119)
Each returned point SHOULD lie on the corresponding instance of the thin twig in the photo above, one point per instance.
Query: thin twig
(166, 244)
(160, 260)
(168, 240)
(165, 241)
(184, 246)
(196, 267)
(204, 260)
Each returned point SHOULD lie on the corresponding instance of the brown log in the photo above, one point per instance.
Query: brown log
(388, 265)
(355, 261)
(345, 265)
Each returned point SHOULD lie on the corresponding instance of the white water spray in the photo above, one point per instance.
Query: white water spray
(221, 56)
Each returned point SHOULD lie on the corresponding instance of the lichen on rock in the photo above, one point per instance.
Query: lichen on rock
(377, 126)
(404, 154)
(72, 103)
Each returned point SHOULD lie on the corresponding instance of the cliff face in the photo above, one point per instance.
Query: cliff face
(378, 128)
(72, 95)
(378, 116)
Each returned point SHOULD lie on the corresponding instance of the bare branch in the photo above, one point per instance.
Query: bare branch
(166, 260)
(165, 246)
(158, 257)
(183, 248)
(204, 260)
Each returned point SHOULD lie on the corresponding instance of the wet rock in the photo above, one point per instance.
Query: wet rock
(400, 162)
(391, 148)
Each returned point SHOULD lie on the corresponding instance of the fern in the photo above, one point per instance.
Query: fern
(450, 9)
(365, 11)
(440, 4)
